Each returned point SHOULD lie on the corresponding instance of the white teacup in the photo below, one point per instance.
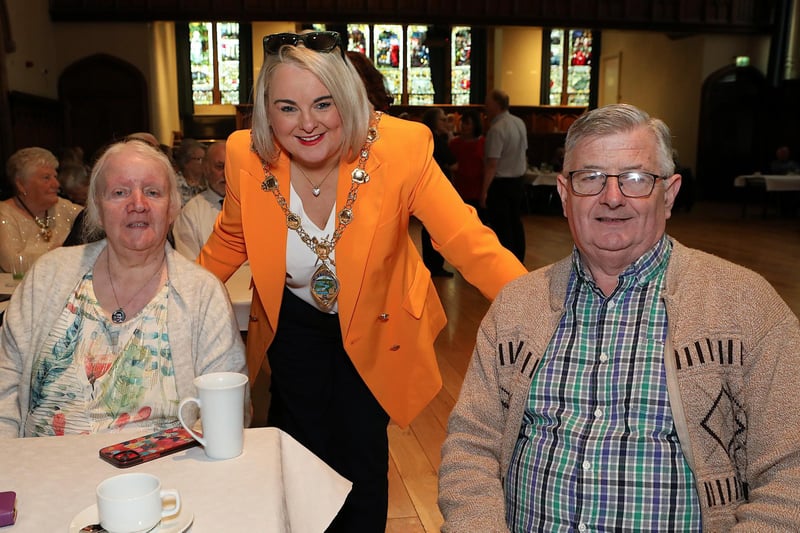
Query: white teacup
(130, 503)
(221, 402)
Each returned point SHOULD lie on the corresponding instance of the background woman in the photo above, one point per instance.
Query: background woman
(34, 220)
(109, 336)
(467, 147)
(319, 198)
(189, 159)
(436, 121)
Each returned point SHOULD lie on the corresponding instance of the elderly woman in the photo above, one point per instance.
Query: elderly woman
(344, 313)
(109, 336)
(189, 160)
(35, 220)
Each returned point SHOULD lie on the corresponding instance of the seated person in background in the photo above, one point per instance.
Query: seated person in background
(196, 220)
(108, 336)
(635, 385)
(783, 162)
(34, 220)
(74, 181)
(189, 161)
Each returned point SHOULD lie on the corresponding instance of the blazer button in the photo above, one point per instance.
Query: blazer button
(395, 347)
(383, 317)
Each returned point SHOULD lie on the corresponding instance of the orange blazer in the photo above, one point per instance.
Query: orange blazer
(389, 311)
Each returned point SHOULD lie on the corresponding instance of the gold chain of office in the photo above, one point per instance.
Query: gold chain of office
(324, 283)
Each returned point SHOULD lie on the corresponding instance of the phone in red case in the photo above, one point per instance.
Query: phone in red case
(147, 447)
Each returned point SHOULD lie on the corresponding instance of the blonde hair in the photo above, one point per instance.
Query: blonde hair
(97, 181)
(337, 75)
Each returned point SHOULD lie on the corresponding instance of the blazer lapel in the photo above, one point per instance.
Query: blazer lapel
(266, 233)
(354, 247)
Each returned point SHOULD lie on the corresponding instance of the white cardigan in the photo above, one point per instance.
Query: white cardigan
(203, 334)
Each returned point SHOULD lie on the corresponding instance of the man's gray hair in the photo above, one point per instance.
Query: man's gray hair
(620, 118)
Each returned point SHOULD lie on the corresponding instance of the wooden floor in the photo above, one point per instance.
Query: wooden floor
(770, 246)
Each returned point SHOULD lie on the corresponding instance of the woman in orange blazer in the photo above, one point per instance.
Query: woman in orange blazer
(344, 313)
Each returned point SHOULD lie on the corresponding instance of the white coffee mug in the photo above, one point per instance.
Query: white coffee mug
(221, 402)
(130, 503)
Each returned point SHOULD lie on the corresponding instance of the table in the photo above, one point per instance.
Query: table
(767, 184)
(275, 485)
(240, 294)
(7, 286)
(771, 182)
(535, 178)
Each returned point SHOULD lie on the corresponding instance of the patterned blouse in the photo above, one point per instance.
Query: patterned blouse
(96, 376)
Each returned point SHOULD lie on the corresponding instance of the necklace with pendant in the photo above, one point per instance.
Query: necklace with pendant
(324, 283)
(315, 189)
(44, 225)
(119, 316)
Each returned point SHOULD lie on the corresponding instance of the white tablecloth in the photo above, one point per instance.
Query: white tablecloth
(275, 485)
(536, 178)
(772, 183)
(240, 293)
(7, 286)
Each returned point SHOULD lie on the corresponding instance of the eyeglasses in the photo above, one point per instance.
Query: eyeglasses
(632, 184)
(319, 41)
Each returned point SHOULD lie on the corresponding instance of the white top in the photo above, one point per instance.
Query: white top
(301, 262)
(195, 223)
(19, 233)
(275, 485)
(507, 141)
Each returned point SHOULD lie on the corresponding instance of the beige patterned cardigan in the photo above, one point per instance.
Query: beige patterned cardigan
(733, 372)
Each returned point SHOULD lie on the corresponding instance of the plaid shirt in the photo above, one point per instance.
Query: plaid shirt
(597, 448)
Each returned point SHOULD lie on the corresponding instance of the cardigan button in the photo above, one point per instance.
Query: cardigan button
(383, 317)
(395, 347)
(253, 318)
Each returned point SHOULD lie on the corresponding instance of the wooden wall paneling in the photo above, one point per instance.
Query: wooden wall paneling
(35, 121)
(610, 10)
(637, 11)
(716, 11)
(471, 8)
(691, 11)
(354, 6)
(667, 10)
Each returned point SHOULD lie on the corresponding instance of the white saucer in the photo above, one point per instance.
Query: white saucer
(174, 524)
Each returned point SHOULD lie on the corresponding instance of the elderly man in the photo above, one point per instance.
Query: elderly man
(637, 385)
(197, 217)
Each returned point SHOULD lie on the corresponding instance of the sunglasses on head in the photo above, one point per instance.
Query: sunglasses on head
(319, 41)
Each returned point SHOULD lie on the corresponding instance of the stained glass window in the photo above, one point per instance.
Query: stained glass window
(420, 88)
(389, 56)
(460, 69)
(570, 66)
(402, 54)
(214, 58)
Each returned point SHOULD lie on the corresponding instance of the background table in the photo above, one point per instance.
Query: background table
(7, 286)
(540, 191)
(766, 185)
(240, 293)
(275, 485)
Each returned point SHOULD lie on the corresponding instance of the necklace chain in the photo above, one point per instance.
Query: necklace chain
(315, 189)
(324, 284)
(119, 315)
(44, 225)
